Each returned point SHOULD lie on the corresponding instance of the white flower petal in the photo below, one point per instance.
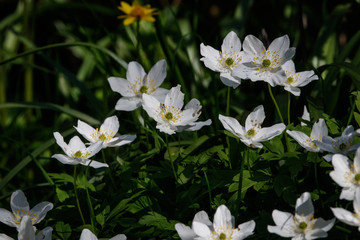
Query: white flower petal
(306, 77)
(26, 229)
(319, 130)
(306, 116)
(222, 217)
(135, 73)
(128, 103)
(230, 81)
(93, 163)
(198, 125)
(293, 90)
(232, 125)
(346, 216)
(94, 148)
(6, 217)
(267, 133)
(41, 209)
(45, 234)
(210, 57)
(160, 94)
(253, 46)
(185, 232)
(231, 43)
(201, 229)
(246, 229)
(356, 202)
(110, 124)
(284, 224)
(121, 86)
(122, 140)
(86, 234)
(65, 159)
(119, 237)
(324, 225)
(202, 217)
(85, 130)
(341, 167)
(348, 193)
(303, 140)
(288, 67)
(75, 144)
(5, 237)
(255, 118)
(157, 73)
(151, 105)
(304, 206)
(175, 97)
(60, 141)
(19, 202)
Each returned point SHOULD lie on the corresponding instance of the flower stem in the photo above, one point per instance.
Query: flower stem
(228, 102)
(208, 186)
(275, 103)
(240, 182)
(171, 161)
(138, 38)
(289, 100)
(279, 113)
(110, 170)
(77, 197)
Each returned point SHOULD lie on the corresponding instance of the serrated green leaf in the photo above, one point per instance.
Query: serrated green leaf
(61, 194)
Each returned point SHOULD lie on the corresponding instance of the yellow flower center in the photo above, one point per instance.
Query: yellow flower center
(289, 80)
(78, 154)
(169, 116)
(229, 61)
(251, 132)
(266, 63)
(143, 89)
(303, 225)
(342, 146)
(102, 137)
(357, 177)
(222, 236)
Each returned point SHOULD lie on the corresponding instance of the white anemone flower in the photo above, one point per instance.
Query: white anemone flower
(345, 216)
(169, 116)
(137, 83)
(346, 174)
(264, 64)
(187, 233)
(77, 152)
(294, 79)
(20, 208)
(27, 231)
(86, 234)
(343, 145)
(225, 61)
(106, 133)
(252, 134)
(319, 130)
(223, 227)
(303, 225)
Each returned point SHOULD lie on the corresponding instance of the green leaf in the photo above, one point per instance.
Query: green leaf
(62, 177)
(25, 161)
(55, 107)
(157, 220)
(63, 230)
(100, 218)
(83, 183)
(62, 195)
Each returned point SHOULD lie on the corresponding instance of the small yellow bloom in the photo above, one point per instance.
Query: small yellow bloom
(136, 12)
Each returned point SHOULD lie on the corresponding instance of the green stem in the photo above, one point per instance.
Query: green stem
(208, 186)
(240, 184)
(77, 197)
(228, 102)
(171, 161)
(289, 99)
(248, 159)
(110, 170)
(138, 38)
(92, 214)
(275, 103)
(279, 113)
